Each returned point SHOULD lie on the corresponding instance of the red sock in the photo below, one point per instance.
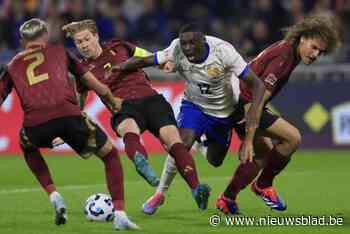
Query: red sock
(244, 175)
(133, 144)
(38, 166)
(185, 164)
(114, 178)
(276, 162)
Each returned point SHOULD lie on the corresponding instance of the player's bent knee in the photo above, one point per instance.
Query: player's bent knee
(295, 139)
(215, 163)
(215, 160)
(127, 125)
(187, 141)
(105, 149)
(170, 135)
(188, 144)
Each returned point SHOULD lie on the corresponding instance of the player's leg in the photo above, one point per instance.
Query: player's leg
(219, 139)
(164, 127)
(39, 168)
(218, 145)
(115, 183)
(88, 139)
(168, 174)
(190, 122)
(289, 139)
(170, 137)
(129, 123)
(245, 173)
(243, 176)
(36, 163)
(276, 160)
(185, 164)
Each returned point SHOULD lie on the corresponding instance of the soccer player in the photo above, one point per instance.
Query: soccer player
(304, 42)
(142, 107)
(39, 74)
(212, 69)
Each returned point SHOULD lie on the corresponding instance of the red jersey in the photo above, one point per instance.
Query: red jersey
(40, 78)
(274, 66)
(125, 85)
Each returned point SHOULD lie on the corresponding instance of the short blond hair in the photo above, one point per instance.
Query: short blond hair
(32, 29)
(75, 27)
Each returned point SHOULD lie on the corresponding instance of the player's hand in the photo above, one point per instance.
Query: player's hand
(246, 152)
(116, 105)
(57, 142)
(169, 67)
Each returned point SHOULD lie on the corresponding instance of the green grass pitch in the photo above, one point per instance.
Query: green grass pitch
(315, 183)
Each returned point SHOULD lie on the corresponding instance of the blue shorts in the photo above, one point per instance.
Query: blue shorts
(191, 116)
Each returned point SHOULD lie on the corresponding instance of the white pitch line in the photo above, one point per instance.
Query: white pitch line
(29, 190)
(80, 187)
(77, 187)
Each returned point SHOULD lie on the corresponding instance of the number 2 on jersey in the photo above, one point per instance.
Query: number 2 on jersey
(204, 88)
(38, 60)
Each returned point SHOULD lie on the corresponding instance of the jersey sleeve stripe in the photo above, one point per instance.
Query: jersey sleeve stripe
(244, 72)
(155, 57)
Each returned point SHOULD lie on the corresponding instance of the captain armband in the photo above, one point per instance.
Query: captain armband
(139, 52)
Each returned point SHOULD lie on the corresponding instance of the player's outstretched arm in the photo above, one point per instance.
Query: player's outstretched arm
(257, 88)
(135, 63)
(253, 115)
(102, 90)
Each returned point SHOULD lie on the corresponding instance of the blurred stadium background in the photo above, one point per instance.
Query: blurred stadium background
(316, 100)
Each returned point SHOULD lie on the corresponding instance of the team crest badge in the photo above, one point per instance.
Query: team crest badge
(271, 79)
(213, 72)
(107, 67)
(108, 70)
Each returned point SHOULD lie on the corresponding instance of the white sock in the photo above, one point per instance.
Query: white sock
(53, 195)
(200, 148)
(120, 213)
(168, 174)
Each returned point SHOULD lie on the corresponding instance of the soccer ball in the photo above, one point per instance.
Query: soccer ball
(99, 207)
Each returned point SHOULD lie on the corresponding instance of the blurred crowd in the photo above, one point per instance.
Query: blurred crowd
(250, 25)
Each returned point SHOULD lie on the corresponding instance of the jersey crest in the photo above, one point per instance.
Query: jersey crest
(107, 67)
(107, 70)
(213, 72)
(271, 79)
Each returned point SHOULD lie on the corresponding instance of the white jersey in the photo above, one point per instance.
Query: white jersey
(213, 85)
